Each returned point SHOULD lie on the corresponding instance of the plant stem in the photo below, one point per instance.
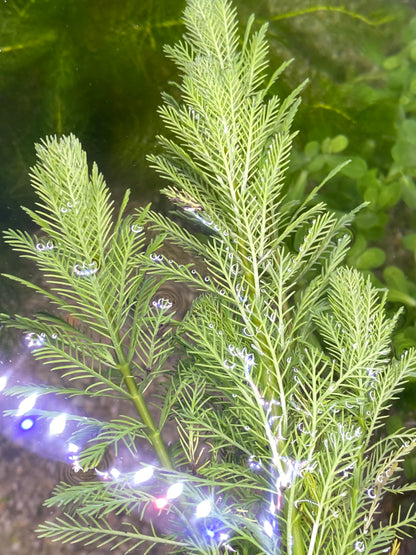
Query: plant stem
(279, 410)
(146, 417)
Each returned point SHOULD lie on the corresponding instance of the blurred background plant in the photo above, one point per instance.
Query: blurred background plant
(97, 69)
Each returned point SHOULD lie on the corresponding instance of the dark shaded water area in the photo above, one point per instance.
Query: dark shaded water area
(97, 69)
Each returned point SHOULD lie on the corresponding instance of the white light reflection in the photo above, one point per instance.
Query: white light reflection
(143, 474)
(27, 404)
(160, 503)
(57, 426)
(174, 490)
(3, 382)
(27, 424)
(203, 509)
(115, 473)
(268, 528)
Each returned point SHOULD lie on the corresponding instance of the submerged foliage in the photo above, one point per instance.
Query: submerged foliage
(285, 372)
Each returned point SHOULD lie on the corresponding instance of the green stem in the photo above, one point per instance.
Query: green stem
(294, 529)
(146, 417)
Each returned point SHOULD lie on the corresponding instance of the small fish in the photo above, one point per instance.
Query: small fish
(184, 200)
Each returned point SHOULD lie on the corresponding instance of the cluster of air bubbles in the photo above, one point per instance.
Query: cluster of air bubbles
(346, 471)
(194, 114)
(48, 246)
(136, 228)
(67, 207)
(156, 257)
(162, 303)
(35, 340)
(228, 364)
(239, 289)
(86, 269)
(348, 435)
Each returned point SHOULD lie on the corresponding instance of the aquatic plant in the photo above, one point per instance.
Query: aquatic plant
(282, 371)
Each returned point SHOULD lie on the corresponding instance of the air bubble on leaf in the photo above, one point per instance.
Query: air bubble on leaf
(86, 269)
(156, 257)
(229, 365)
(234, 269)
(206, 279)
(371, 494)
(359, 546)
(247, 332)
(254, 463)
(221, 292)
(136, 228)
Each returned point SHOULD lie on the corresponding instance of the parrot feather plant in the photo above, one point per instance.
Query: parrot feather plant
(282, 373)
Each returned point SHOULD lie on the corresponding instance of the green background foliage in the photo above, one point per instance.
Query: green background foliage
(97, 69)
